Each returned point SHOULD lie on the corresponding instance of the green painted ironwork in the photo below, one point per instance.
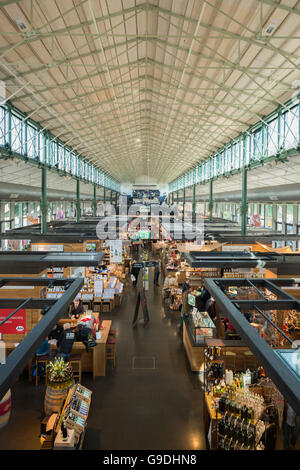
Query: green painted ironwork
(44, 207)
(95, 201)
(28, 141)
(211, 201)
(194, 202)
(276, 136)
(244, 205)
(77, 200)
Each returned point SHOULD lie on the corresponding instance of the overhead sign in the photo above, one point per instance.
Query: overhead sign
(150, 264)
(138, 265)
(16, 324)
(144, 234)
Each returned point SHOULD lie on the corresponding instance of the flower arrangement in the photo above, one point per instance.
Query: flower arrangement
(59, 373)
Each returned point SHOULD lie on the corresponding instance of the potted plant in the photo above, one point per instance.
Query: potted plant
(59, 380)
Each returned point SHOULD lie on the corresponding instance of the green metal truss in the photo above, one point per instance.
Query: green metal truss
(275, 138)
(23, 138)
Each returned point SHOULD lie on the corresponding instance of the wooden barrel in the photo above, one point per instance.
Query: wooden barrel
(55, 397)
(5, 408)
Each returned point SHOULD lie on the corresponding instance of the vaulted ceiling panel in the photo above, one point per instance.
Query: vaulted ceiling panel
(149, 86)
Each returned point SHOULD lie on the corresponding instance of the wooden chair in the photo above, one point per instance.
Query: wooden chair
(41, 360)
(110, 350)
(75, 362)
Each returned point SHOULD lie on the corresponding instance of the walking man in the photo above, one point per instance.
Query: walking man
(157, 271)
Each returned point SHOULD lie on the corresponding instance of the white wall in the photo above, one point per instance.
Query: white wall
(143, 181)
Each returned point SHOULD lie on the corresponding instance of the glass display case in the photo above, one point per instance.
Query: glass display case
(291, 357)
(201, 326)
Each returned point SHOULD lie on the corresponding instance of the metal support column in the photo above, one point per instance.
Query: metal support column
(244, 205)
(284, 218)
(95, 201)
(77, 200)
(12, 214)
(211, 201)
(194, 203)
(9, 129)
(44, 201)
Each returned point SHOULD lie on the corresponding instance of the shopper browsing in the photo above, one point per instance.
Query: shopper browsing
(185, 309)
(157, 271)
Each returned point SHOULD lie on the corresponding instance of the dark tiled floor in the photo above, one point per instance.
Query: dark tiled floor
(131, 409)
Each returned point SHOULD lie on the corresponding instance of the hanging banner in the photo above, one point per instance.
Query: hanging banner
(16, 324)
(115, 247)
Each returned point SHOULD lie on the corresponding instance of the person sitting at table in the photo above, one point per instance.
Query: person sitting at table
(65, 342)
(56, 332)
(76, 309)
(43, 349)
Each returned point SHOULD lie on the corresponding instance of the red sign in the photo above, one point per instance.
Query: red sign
(15, 324)
(256, 220)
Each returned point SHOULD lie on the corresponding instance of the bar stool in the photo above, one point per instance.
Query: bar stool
(229, 358)
(110, 350)
(75, 362)
(249, 358)
(41, 360)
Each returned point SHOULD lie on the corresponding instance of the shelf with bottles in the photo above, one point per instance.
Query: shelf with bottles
(213, 364)
(200, 273)
(76, 410)
(240, 421)
(238, 435)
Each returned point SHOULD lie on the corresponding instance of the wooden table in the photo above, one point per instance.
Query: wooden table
(92, 361)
